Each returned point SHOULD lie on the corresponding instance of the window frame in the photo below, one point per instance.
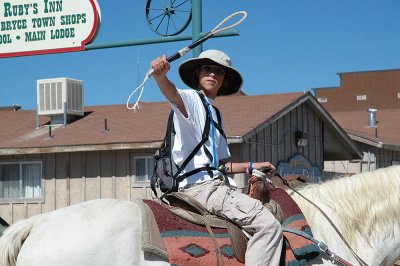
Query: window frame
(142, 156)
(42, 183)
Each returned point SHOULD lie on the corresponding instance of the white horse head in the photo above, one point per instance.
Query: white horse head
(365, 209)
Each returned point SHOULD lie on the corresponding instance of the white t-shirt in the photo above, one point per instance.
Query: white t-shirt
(192, 128)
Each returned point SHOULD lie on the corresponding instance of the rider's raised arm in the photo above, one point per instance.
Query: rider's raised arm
(161, 67)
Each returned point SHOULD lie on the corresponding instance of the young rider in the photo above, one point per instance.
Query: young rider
(212, 75)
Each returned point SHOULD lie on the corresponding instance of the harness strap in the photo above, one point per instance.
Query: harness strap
(215, 155)
(321, 245)
(204, 139)
(191, 155)
(219, 124)
(209, 169)
(205, 217)
(214, 125)
(168, 140)
(218, 254)
(358, 258)
(167, 144)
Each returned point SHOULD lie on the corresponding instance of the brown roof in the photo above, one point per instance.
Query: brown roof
(243, 114)
(356, 123)
(146, 127)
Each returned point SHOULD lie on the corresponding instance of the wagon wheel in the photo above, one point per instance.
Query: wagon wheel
(168, 17)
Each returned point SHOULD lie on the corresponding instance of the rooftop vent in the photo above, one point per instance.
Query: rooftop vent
(14, 107)
(372, 117)
(60, 98)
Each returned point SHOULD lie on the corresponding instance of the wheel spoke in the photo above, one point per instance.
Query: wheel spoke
(160, 22)
(166, 30)
(157, 9)
(178, 12)
(180, 19)
(156, 17)
(162, 4)
(173, 23)
(181, 3)
(182, 11)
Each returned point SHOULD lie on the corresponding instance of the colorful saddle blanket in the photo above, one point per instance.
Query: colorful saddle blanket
(191, 244)
(298, 250)
(188, 243)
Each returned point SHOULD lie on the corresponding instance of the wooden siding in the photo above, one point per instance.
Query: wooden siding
(374, 158)
(70, 178)
(386, 157)
(276, 142)
(74, 177)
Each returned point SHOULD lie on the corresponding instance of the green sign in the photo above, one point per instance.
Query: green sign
(47, 26)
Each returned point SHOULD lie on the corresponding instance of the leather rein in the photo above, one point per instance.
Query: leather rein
(323, 247)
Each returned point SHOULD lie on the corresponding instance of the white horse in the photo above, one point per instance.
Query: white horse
(365, 208)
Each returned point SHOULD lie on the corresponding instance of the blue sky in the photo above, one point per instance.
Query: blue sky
(284, 46)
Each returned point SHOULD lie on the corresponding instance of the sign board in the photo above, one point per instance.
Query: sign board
(299, 165)
(29, 27)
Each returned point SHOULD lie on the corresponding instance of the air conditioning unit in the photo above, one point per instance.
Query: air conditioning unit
(60, 96)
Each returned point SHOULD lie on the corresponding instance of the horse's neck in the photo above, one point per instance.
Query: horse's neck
(365, 210)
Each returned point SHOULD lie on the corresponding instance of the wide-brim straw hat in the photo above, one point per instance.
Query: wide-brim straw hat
(232, 80)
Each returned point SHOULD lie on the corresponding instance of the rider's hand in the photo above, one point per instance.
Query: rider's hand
(269, 167)
(161, 66)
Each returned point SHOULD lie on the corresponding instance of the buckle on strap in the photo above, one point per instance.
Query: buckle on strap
(332, 256)
(323, 247)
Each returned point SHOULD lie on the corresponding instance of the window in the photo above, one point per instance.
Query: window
(398, 95)
(143, 168)
(21, 180)
(322, 99)
(361, 97)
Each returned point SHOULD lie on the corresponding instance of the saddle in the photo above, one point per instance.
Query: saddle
(297, 250)
(189, 209)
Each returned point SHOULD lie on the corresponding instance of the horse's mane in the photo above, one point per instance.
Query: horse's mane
(359, 205)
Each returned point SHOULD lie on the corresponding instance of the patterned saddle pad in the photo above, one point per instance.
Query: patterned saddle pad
(297, 249)
(191, 244)
(188, 243)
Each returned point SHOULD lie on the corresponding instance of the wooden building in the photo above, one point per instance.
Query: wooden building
(376, 131)
(107, 152)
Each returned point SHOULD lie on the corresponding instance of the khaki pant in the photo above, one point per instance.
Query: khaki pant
(265, 244)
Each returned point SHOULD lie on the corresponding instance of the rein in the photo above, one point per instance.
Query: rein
(333, 256)
(321, 245)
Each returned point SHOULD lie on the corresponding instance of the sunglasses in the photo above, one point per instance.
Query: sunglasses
(213, 69)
